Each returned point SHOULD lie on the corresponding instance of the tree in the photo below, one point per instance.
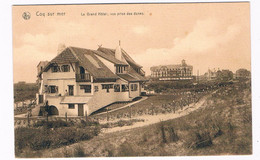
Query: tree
(224, 75)
(243, 73)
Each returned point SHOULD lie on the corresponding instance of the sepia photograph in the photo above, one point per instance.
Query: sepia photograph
(132, 80)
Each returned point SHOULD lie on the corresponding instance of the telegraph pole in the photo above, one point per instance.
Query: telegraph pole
(198, 78)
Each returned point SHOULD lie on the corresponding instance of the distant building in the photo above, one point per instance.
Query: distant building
(172, 72)
(219, 75)
(21, 82)
(211, 75)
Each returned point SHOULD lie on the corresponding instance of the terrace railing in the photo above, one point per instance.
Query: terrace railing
(83, 77)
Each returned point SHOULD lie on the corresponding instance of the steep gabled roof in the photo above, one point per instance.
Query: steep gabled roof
(87, 59)
(98, 72)
(130, 60)
(111, 53)
(132, 76)
(65, 57)
(137, 75)
(128, 77)
(108, 55)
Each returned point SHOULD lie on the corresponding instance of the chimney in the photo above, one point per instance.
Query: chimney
(61, 47)
(118, 53)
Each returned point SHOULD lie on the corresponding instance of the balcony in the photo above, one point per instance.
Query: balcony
(83, 77)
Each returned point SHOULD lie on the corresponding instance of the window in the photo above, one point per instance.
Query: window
(65, 68)
(107, 86)
(125, 88)
(53, 89)
(121, 69)
(96, 88)
(71, 90)
(71, 106)
(46, 89)
(137, 70)
(87, 88)
(117, 88)
(118, 69)
(133, 87)
(55, 68)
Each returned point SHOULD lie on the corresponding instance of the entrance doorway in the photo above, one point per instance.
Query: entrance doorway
(80, 110)
(52, 110)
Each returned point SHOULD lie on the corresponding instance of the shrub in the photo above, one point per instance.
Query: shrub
(126, 149)
(218, 133)
(22, 136)
(88, 122)
(122, 123)
(41, 138)
(58, 123)
(144, 138)
(66, 153)
(173, 134)
(40, 142)
(64, 136)
(106, 125)
(201, 139)
(79, 151)
(162, 131)
(51, 124)
(109, 150)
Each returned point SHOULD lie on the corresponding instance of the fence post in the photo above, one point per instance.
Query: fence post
(28, 119)
(86, 116)
(107, 115)
(130, 111)
(152, 107)
(66, 117)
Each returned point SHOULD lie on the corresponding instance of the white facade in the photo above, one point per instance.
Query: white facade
(61, 90)
(95, 100)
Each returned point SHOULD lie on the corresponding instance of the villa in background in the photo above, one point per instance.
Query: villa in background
(78, 81)
(172, 72)
(211, 74)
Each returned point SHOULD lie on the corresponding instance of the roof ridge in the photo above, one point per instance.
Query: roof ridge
(72, 51)
(107, 48)
(82, 48)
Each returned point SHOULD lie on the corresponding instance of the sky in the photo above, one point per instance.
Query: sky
(206, 35)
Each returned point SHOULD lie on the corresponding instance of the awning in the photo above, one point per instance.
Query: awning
(75, 100)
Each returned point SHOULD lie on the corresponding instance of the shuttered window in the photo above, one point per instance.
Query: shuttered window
(117, 88)
(65, 68)
(125, 88)
(87, 88)
(53, 89)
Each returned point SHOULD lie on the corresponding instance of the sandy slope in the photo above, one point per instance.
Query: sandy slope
(151, 119)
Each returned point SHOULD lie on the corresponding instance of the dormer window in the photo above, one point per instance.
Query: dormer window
(65, 68)
(138, 70)
(55, 69)
(121, 69)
